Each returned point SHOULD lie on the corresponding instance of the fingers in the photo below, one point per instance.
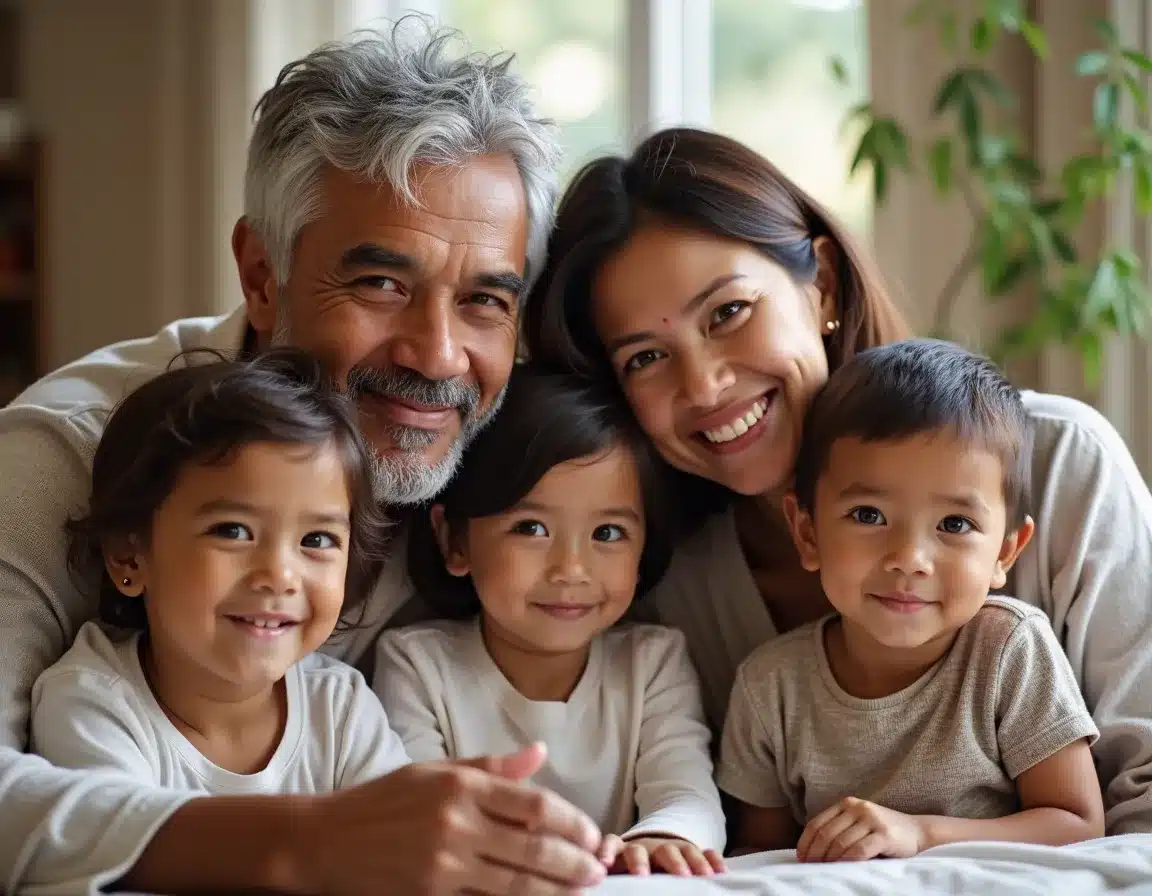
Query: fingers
(489, 879)
(636, 860)
(813, 828)
(514, 766)
(868, 848)
(715, 860)
(816, 845)
(698, 864)
(610, 849)
(839, 847)
(539, 854)
(669, 857)
(537, 810)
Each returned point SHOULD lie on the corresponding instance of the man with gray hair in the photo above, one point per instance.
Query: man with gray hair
(398, 201)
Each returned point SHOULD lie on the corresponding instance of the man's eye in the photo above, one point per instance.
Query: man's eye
(487, 300)
(389, 284)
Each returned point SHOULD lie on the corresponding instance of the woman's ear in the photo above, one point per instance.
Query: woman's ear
(803, 532)
(124, 564)
(452, 547)
(827, 282)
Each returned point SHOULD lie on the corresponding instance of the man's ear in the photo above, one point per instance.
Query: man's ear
(803, 531)
(257, 279)
(454, 552)
(1014, 542)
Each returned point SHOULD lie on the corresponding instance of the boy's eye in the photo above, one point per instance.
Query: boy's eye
(320, 540)
(231, 531)
(608, 532)
(956, 525)
(532, 528)
(867, 516)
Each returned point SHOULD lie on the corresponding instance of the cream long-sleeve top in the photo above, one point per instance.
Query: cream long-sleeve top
(66, 831)
(629, 746)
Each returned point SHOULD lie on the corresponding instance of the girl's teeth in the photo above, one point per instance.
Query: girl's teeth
(738, 427)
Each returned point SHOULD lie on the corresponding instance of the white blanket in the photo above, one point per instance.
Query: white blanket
(1112, 865)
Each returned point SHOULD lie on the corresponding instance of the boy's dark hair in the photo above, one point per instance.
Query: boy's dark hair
(546, 420)
(201, 414)
(913, 387)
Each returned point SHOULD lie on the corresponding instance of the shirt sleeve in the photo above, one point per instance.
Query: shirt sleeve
(370, 748)
(748, 769)
(1092, 573)
(64, 831)
(675, 793)
(1039, 709)
(408, 696)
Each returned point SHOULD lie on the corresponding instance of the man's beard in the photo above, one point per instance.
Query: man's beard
(402, 475)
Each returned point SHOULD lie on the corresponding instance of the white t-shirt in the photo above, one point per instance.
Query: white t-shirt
(95, 710)
(629, 746)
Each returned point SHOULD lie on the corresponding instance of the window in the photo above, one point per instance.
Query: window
(773, 90)
(572, 52)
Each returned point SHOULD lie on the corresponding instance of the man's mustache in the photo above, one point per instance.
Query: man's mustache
(406, 385)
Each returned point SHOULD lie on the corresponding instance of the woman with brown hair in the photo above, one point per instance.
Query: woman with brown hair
(719, 297)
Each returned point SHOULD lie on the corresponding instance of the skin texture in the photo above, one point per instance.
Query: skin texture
(381, 284)
(574, 541)
(263, 535)
(448, 312)
(698, 329)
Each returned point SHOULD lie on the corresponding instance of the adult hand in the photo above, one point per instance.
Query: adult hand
(642, 854)
(449, 827)
(855, 829)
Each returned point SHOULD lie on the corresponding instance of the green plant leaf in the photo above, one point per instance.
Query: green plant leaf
(984, 80)
(940, 163)
(1104, 289)
(981, 36)
(1063, 247)
(865, 149)
(892, 143)
(1138, 59)
(1106, 30)
(1092, 63)
(950, 89)
(1136, 90)
(1105, 105)
(1144, 186)
(839, 70)
(1035, 37)
(971, 125)
(879, 180)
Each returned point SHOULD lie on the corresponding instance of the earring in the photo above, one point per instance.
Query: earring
(832, 326)
(125, 581)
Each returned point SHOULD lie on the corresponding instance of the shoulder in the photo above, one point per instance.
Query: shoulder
(1004, 624)
(782, 655)
(95, 664)
(644, 646)
(438, 647)
(1073, 439)
(80, 395)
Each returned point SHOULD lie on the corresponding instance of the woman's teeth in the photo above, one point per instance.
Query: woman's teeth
(739, 426)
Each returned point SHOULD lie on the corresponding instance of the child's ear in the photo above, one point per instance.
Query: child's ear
(1014, 543)
(451, 549)
(803, 532)
(124, 563)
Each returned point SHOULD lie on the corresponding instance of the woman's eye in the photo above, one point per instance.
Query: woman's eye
(956, 525)
(608, 532)
(867, 516)
(723, 313)
(532, 528)
(231, 531)
(320, 540)
(641, 360)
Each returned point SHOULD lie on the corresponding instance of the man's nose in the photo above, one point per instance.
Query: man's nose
(426, 340)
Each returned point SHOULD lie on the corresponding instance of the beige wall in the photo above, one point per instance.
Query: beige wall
(142, 106)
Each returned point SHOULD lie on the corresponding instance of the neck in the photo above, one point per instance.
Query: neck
(867, 669)
(540, 675)
(236, 728)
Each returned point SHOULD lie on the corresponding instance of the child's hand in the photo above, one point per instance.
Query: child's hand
(643, 854)
(855, 829)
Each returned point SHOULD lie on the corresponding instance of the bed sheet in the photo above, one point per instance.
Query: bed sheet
(1112, 865)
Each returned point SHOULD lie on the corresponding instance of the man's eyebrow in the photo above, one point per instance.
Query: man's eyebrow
(373, 255)
(508, 281)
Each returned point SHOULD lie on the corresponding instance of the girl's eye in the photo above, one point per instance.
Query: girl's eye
(231, 531)
(867, 516)
(724, 313)
(640, 360)
(320, 540)
(956, 525)
(531, 528)
(608, 532)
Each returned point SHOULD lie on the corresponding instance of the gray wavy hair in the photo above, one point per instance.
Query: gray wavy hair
(374, 106)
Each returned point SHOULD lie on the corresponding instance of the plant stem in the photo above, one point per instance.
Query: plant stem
(946, 300)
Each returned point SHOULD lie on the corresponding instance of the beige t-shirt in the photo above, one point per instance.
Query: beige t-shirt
(952, 743)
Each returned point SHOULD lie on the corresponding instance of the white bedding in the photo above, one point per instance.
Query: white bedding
(1112, 865)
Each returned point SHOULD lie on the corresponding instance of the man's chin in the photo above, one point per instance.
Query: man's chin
(413, 477)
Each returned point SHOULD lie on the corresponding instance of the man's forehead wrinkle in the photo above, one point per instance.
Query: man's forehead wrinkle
(451, 240)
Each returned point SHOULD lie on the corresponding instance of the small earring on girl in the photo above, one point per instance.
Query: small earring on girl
(832, 326)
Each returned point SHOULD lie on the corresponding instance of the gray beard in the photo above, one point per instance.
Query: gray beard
(402, 475)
